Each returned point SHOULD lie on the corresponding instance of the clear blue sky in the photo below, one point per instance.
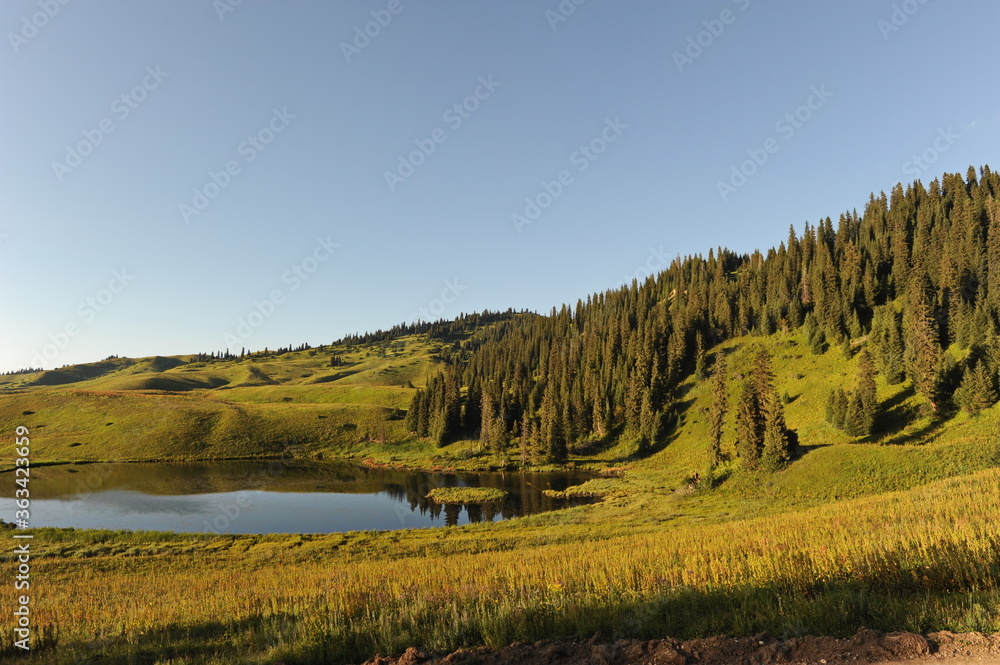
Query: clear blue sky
(182, 91)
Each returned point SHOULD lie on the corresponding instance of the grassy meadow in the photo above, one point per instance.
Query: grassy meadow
(897, 531)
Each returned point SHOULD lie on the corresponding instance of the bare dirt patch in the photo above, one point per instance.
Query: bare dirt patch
(866, 646)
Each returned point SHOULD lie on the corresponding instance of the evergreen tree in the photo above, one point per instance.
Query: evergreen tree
(553, 443)
(648, 428)
(699, 357)
(413, 413)
(854, 416)
(815, 337)
(526, 442)
(867, 394)
(887, 343)
(489, 434)
(717, 411)
(472, 416)
(923, 352)
(977, 390)
(993, 259)
(424, 413)
(836, 407)
(749, 426)
(777, 444)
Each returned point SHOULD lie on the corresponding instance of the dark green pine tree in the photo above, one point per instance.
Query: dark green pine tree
(867, 394)
(993, 259)
(699, 357)
(977, 390)
(836, 407)
(923, 351)
(553, 441)
(887, 343)
(763, 376)
(472, 416)
(526, 443)
(489, 437)
(648, 428)
(717, 411)
(413, 412)
(424, 414)
(815, 337)
(452, 406)
(854, 416)
(749, 426)
(633, 400)
(777, 444)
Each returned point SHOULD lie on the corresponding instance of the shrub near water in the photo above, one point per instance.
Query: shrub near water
(466, 494)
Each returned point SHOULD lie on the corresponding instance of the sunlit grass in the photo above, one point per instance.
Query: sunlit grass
(924, 559)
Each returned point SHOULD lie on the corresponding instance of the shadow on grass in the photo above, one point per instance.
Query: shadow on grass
(885, 599)
(195, 643)
(896, 414)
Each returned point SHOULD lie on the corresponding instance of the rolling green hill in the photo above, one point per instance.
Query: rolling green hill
(296, 404)
(175, 408)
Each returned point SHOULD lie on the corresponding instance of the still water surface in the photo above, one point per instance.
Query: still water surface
(271, 497)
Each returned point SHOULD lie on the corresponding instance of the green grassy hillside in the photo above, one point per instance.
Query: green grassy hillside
(299, 404)
(176, 408)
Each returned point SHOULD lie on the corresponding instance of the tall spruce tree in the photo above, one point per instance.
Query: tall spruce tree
(977, 390)
(717, 411)
(887, 343)
(777, 446)
(749, 425)
(412, 420)
(836, 407)
(867, 393)
(923, 351)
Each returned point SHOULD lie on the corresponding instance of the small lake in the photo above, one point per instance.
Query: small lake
(271, 497)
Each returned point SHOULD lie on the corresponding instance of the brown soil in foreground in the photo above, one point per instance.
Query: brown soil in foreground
(867, 646)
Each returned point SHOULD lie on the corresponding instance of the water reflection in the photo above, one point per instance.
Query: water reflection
(275, 497)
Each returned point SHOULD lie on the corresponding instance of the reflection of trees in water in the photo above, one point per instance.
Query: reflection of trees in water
(524, 493)
(451, 513)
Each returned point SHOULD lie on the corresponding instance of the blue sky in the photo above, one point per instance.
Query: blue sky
(185, 176)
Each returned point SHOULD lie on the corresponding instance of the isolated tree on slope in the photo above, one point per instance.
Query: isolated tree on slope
(777, 445)
(717, 412)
